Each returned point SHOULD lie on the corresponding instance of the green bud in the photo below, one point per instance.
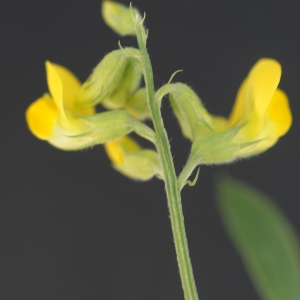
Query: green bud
(130, 81)
(192, 116)
(137, 105)
(120, 18)
(108, 77)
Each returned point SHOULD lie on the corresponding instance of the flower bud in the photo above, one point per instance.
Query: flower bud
(192, 116)
(114, 77)
(119, 17)
(130, 81)
(131, 160)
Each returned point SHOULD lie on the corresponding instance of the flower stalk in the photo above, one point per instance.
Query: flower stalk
(169, 176)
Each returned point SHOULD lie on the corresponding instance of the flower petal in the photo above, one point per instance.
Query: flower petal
(55, 87)
(63, 86)
(257, 90)
(279, 114)
(133, 161)
(41, 117)
(264, 79)
(258, 147)
(62, 83)
(115, 149)
(276, 123)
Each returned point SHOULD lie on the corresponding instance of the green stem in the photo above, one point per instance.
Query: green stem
(171, 184)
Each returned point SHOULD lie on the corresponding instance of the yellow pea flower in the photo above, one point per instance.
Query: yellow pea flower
(262, 107)
(131, 160)
(56, 118)
(260, 116)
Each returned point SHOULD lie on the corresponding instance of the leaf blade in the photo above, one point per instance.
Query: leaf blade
(264, 239)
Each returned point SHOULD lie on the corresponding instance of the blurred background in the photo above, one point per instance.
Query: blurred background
(73, 228)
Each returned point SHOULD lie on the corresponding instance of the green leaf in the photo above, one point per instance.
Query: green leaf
(264, 239)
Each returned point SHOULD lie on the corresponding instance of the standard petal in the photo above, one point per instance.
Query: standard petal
(41, 117)
(63, 83)
(64, 86)
(257, 90)
(55, 87)
(263, 81)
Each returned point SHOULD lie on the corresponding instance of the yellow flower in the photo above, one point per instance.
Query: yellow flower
(55, 117)
(262, 107)
(260, 116)
(131, 160)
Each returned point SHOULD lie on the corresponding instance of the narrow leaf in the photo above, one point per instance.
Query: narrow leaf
(264, 239)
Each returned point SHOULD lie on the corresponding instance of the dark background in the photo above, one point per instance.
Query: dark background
(73, 228)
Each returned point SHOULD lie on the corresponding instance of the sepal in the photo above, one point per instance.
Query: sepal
(219, 148)
(216, 148)
(100, 128)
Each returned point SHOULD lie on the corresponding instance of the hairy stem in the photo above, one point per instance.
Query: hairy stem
(171, 184)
